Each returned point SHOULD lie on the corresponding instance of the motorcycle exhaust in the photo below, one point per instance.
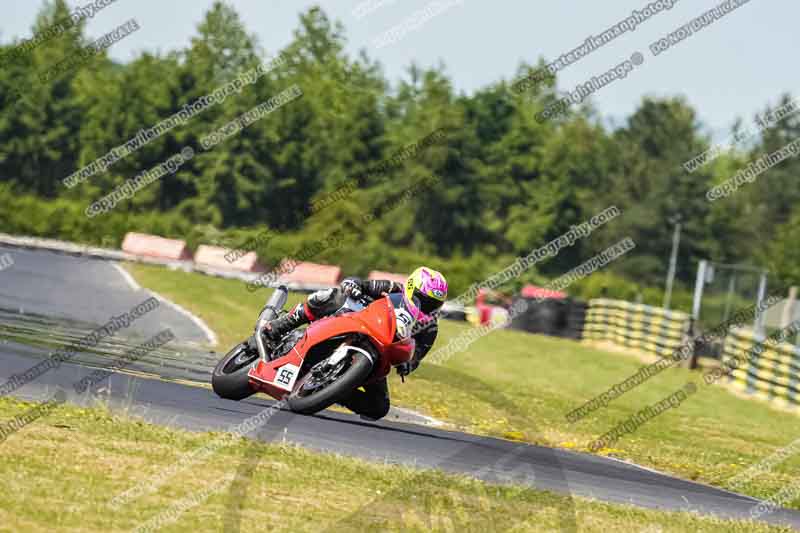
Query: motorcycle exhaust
(274, 305)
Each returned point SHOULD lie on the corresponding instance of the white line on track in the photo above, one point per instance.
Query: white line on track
(209, 333)
(126, 276)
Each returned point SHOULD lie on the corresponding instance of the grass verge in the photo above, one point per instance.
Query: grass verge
(63, 471)
(519, 386)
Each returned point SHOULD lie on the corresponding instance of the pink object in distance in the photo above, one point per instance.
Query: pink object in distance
(227, 258)
(532, 291)
(378, 274)
(309, 273)
(155, 246)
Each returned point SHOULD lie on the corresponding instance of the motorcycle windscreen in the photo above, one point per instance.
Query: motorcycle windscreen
(404, 320)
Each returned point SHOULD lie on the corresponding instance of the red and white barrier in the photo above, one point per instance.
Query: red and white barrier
(309, 274)
(153, 246)
(227, 259)
(377, 274)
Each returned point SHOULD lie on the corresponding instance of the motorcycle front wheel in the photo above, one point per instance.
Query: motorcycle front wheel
(323, 386)
(229, 379)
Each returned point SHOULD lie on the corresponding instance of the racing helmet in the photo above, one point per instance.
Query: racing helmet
(425, 291)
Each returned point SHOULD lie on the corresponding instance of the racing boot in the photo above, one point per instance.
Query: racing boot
(275, 329)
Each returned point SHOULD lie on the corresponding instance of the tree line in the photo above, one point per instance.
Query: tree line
(505, 183)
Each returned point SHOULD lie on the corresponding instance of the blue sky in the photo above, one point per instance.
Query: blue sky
(730, 69)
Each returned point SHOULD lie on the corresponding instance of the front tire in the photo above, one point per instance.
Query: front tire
(229, 379)
(309, 400)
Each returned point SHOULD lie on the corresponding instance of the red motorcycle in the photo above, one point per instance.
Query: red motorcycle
(314, 368)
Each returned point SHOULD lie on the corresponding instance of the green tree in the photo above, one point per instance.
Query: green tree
(40, 115)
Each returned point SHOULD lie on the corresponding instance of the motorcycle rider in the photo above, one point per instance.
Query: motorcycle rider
(424, 292)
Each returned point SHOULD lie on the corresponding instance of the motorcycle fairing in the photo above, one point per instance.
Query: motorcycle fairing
(377, 321)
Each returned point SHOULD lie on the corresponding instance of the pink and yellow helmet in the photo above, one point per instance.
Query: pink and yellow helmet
(428, 289)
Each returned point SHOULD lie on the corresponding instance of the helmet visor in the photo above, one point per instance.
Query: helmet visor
(427, 304)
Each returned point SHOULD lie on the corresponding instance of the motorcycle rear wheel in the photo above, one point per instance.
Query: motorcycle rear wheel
(229, 379)
(352, 375)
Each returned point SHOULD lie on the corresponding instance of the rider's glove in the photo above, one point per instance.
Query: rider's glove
(352, 289)
(406, 368)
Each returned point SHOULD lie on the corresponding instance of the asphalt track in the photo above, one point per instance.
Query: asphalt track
(166, 387)
(82, 290)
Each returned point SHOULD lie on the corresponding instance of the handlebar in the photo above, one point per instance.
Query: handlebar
(365, 299)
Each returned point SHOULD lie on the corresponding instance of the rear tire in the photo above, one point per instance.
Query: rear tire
(229, 379)
(353, 376)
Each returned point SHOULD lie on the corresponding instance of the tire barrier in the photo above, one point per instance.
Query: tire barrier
(561, 317)
(577, 312)
(761, 367)
(651, 329)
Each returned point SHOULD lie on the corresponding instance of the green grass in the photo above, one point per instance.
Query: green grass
(225, 305)
(62, 472)
(520, 386)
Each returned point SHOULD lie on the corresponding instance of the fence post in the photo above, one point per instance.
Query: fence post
(788, 310)
(698, 291)
(762, 293)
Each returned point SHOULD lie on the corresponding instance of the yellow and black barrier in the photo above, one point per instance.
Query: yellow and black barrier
(651, 329)
(763, 367)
